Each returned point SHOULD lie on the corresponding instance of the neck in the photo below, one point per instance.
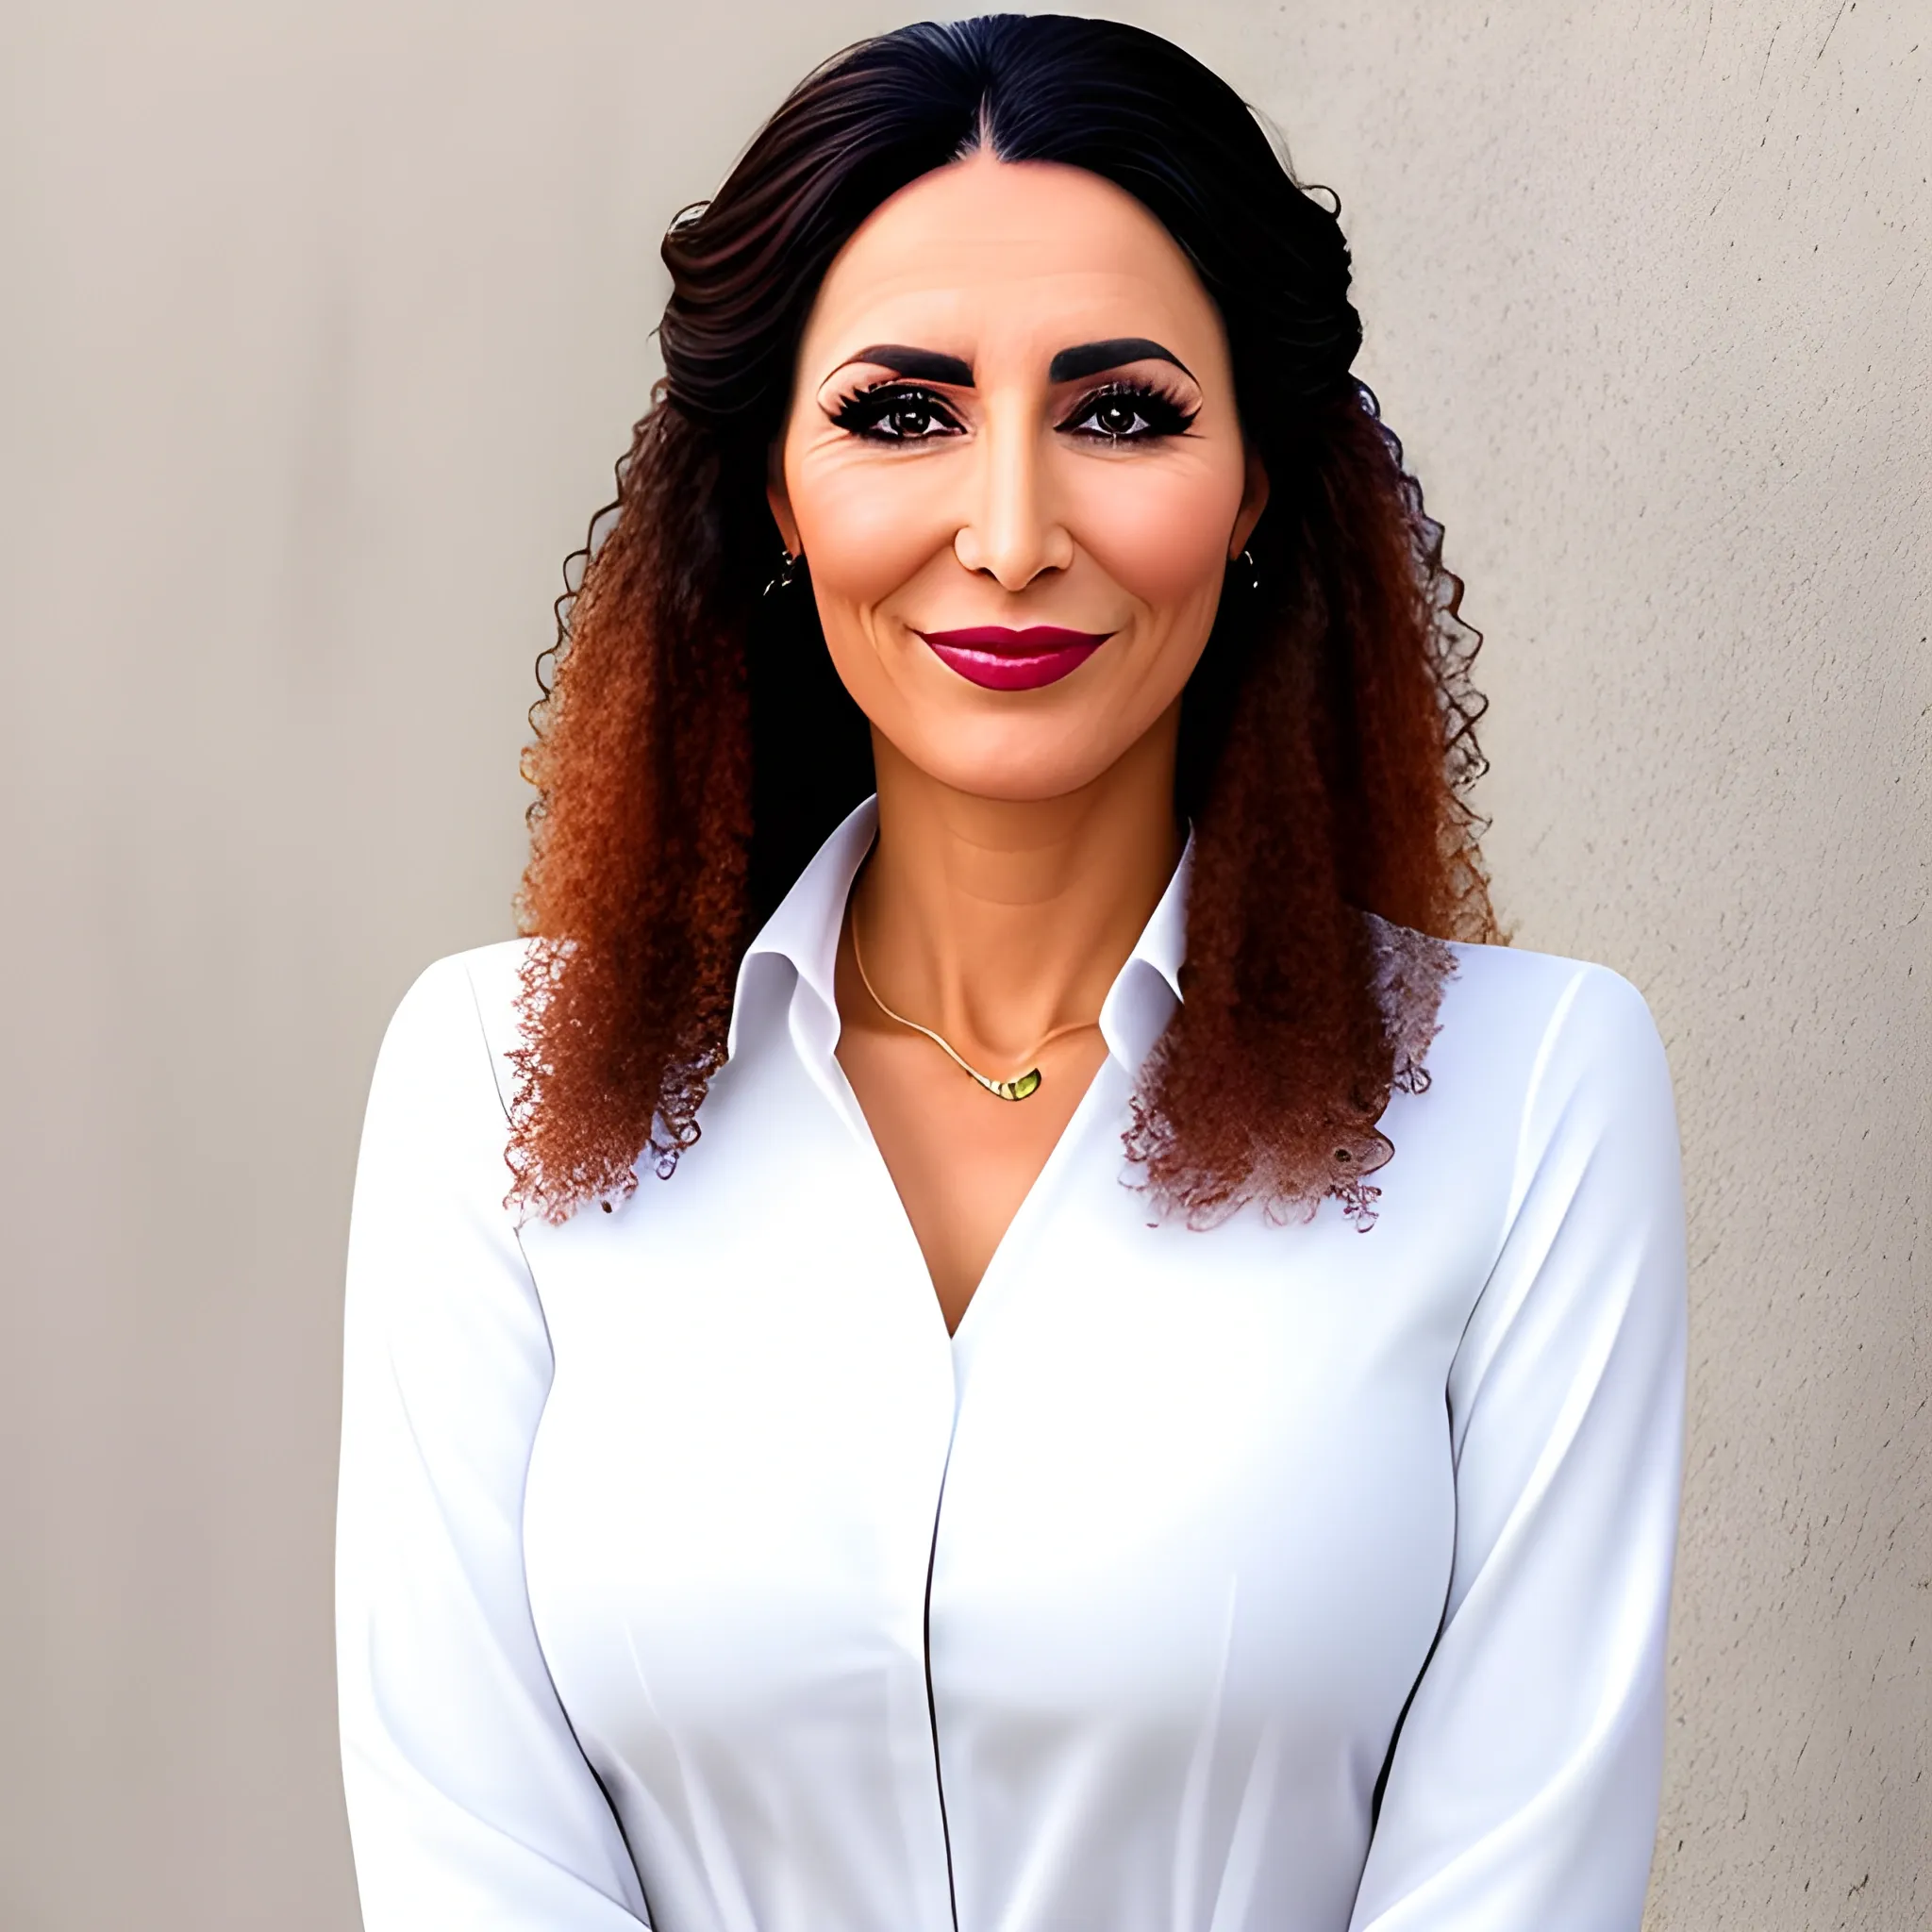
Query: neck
(995, 920)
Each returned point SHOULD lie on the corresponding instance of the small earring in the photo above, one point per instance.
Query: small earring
(1247, 557)
(787, 571)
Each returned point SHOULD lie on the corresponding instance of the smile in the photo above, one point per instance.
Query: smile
(1001, 660)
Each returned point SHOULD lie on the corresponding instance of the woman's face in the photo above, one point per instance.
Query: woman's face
(1013, 465)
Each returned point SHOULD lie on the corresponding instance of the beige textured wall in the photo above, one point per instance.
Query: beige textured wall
(319, 327)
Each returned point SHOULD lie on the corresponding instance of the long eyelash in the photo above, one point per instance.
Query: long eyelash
(862, 410)
(1166, 414)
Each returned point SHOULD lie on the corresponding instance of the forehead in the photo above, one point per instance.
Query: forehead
(1023, 256)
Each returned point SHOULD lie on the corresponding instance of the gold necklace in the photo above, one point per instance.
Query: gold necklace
(1021, 1086)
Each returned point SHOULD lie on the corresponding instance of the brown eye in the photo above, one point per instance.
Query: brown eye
(895, 415)
(1129, 412)
(906, 420)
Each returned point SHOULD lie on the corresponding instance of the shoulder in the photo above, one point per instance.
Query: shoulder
(1525, 1039)
(1512, 991)
(441, 1303)
(450, 1035)
(484, 979)
(1570, 1050)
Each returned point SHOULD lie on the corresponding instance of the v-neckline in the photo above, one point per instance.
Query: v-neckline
(806, 936)
(1030, 1207)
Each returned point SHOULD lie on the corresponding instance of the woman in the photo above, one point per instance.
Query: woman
(1012, 1466)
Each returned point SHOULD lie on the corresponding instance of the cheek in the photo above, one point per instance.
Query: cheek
(869, 527)
(1159, 530)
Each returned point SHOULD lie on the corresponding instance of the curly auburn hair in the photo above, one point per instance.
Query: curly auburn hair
(693, 746)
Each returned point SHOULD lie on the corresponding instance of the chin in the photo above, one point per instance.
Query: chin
(1015, 762)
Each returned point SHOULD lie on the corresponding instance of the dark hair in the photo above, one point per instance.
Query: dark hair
(695, 746)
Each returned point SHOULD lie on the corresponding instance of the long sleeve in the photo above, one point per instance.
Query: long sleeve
(1523, 1791)
(471, 1804)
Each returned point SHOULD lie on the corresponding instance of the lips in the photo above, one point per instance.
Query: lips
(1001, 660)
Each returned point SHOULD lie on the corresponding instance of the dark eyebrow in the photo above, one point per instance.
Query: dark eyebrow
(1089, 358)
(927, 364)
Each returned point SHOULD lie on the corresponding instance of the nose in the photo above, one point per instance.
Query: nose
(1012, 533)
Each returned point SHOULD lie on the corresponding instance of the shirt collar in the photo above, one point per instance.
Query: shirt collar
(804, 934)
(1147, 989)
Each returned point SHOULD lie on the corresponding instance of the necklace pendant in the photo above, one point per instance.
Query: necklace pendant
(1021, 1086)
(1022, 1089)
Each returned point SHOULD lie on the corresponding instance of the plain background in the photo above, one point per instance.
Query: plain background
(322, 327)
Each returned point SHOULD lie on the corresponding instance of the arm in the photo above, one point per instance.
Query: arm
(1523, 1791)
(469, 1802)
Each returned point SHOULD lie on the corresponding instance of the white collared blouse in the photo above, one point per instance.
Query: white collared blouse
(1260, 1579)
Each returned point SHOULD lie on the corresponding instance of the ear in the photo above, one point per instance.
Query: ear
(1254, 501)
(779, 497)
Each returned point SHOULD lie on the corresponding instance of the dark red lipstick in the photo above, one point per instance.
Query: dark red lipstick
(1001, 660)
